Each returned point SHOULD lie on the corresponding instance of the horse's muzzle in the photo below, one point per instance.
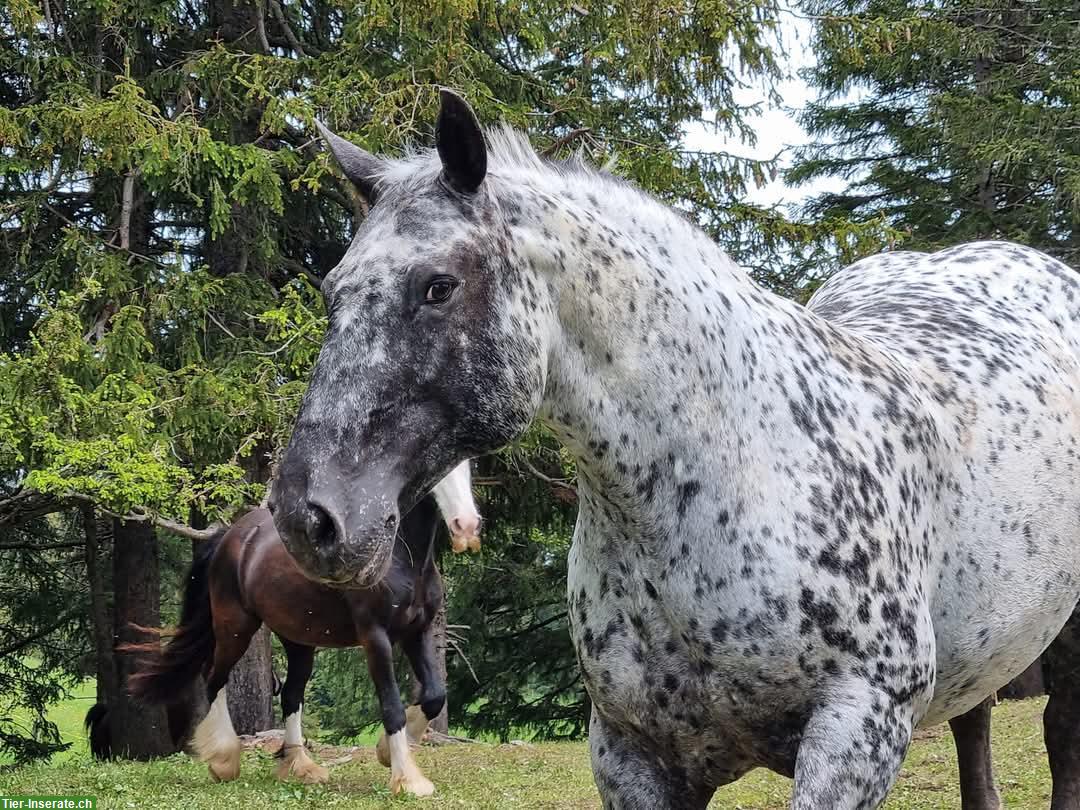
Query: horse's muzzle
(344, 537)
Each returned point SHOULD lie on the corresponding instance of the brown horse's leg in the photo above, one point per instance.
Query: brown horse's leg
(404, 773)
(1061, 721)
(420, 650)
(215, 741)
(421, 654)
(971, 733)
(295, 761)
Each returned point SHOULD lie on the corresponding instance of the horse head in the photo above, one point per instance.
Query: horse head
(433, 353)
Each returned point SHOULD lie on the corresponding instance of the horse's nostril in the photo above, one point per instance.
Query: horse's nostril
(390, 523)
(320, 528)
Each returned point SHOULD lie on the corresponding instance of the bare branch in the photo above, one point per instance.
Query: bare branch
(565, 140)
(22, 643)
(37, 546)
(432, 737)
(557, 482)
(260, 26)
(190, 532)
(97, 331)
(64, 219)
(127, 203)
(171, 526)
(296, 268)
(47, 7)
(26, 505)
(221, 326)
(531, 628)
(452, 642)
(294, 43)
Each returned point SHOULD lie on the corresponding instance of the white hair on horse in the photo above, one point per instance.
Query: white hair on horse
(510, 155)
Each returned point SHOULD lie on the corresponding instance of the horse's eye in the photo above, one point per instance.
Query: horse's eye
(440, 289)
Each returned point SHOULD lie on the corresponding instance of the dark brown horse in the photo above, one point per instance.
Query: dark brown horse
(246, 577)
(1061, 719)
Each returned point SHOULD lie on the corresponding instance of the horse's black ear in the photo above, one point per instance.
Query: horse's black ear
(360, 166)
(460, 142)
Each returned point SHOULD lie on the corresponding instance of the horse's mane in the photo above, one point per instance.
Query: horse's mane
(509, 153)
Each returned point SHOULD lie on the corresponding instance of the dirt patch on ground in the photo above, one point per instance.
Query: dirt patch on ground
(272, 740)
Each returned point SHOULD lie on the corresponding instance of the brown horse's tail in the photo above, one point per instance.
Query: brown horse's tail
(97, 725)
(165, 673)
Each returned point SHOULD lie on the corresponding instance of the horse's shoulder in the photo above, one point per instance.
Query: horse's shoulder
(249, 537)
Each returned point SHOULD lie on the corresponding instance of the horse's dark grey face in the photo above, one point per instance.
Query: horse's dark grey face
(424, 362)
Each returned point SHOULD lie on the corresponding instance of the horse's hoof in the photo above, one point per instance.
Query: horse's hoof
(224, 770)
(296, 764)
(415, 784)
(416, 724)
(382, 751)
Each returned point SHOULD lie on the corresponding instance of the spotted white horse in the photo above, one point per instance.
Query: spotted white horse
(803, 531)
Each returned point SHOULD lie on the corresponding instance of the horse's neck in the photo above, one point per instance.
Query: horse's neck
(654, 351)
(414, 549)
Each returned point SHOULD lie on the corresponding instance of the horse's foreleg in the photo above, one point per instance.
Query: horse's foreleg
(852, 749)
(1061, 721)
(294, 760)
(215, 741)
(432, 698)
(405, 775)
(971, 733)
(631, 775)
(420, 650)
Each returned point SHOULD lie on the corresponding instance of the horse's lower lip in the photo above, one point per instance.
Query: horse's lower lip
(365, 572)
(324, 577)
(339, 579)
(324, 571)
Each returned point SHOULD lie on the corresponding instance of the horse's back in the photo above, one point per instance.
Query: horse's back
(987, 336)
(995, 288)
(253, 569)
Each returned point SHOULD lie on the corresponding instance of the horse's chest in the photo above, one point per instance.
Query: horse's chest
(669, 653)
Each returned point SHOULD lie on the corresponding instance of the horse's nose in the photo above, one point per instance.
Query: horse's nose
(319, 526)
(465, 526)
(338, 528)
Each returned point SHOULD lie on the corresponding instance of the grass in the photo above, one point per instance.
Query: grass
(68, 716)
(547, 775)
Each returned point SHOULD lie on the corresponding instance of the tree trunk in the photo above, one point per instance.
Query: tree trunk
(438, 626)
(251, 687)
(100, 618)
(986, 188)
(138, 732)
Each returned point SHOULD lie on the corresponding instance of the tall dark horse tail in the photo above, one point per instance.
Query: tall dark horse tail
(164, 673)
(97, 726)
